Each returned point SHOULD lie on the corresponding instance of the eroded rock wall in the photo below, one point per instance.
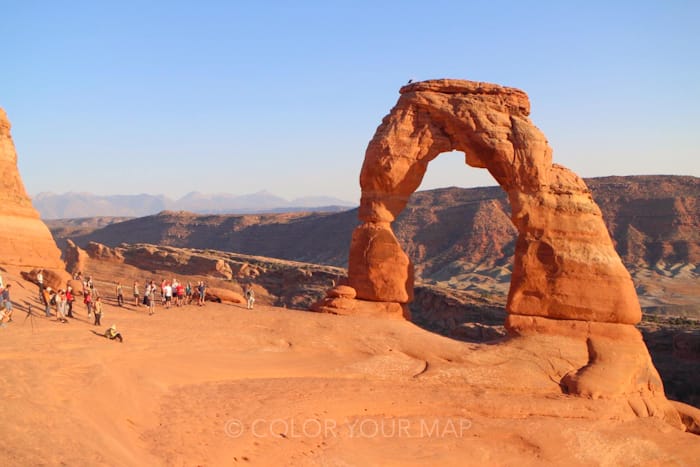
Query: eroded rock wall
(25, 241)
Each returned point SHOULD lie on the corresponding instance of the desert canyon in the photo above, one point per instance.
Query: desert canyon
(357, 382)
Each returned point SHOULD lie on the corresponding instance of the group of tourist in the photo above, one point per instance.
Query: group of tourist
(170, 293)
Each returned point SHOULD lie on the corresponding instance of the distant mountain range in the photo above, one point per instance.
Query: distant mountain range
(78, 205)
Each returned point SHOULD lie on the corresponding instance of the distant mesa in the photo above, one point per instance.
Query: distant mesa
(25, 241)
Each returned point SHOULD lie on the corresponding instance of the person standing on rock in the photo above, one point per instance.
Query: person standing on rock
(136, 294)
(46, 299)
(249, 296)
(162, 292)
(188, 293)
(61, 306)
(88, 302)
(120, 294)
(202, 289)
(168, 292)
(179, 294)
(7, 303)
(98, 311)
(69, 301)
(152, 299)
(147, 293)
(40, 281)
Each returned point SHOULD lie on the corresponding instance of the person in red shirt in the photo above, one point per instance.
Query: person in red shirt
(69, 300)
(180, 294)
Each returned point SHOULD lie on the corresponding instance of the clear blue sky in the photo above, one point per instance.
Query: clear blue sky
(168, 97)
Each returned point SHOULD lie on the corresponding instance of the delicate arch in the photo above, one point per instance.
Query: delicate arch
(565, 265)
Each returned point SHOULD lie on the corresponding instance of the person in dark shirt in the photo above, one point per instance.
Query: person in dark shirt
(7, 303)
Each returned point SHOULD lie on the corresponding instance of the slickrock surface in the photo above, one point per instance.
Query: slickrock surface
(221, 385)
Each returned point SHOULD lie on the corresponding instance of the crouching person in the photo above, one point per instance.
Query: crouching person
(112, 333)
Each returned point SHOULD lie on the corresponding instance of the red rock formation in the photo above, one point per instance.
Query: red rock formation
(25, 241)
(218, 294)
(76, 257)
(565, 264)
(567, 278)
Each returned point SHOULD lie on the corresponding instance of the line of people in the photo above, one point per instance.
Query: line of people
(171, 293)
(62, 300)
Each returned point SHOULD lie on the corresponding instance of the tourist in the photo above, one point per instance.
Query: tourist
(188, 293)
(40, 281)
(179, 294)
(112, 333)
(46, 299)
(168, 291)
(88, 302)
(250, 296)
(93, 290)
(202, 289)
(136, 294)
(60, 299)
(162, 292)
(7, 303)
(98, 310)
(69, 301)
(120, 294)
(152, 299)
(149, 294)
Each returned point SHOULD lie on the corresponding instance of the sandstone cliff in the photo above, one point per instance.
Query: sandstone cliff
(25, 241)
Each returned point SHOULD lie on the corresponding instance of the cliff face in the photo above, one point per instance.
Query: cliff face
(653, 219)
(25, 241)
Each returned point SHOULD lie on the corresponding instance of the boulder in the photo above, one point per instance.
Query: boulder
(217, 294)
(341, 291)
(54, 279)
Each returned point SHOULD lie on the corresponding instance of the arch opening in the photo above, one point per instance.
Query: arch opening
(450, 169)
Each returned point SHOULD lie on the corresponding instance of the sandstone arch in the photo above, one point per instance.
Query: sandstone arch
(565, 265)
(567, 282)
